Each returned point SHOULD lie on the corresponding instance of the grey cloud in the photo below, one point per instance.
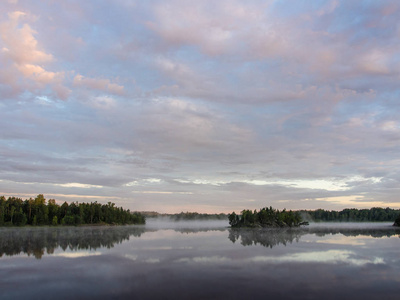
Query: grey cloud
(229, 92)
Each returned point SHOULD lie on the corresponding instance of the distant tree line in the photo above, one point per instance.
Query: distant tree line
(375, 214)
(17, 212)
(266, 217)
(196, 216)
(185, 216)
(270, 217)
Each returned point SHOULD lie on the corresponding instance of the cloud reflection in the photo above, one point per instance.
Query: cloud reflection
(327, 257)
(77, 254)
(204, 259)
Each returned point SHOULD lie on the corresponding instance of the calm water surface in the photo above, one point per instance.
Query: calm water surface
(200, 260)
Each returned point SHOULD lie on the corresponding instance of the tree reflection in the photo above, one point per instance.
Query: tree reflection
(271, 237)
(378, 232)
(265, 237)
(38, 241)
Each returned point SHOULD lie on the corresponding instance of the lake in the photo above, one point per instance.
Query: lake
(200, 260)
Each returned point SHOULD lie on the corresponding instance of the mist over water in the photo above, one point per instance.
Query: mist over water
(201, 260)
(169, 223)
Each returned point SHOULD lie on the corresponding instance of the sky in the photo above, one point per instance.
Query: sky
(208, 106)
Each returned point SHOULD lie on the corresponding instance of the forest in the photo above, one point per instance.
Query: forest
(269, 217)
(397, 222)
(17, 212)
(375, 214)
(266, 217)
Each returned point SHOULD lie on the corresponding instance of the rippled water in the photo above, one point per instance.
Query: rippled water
(200, 260)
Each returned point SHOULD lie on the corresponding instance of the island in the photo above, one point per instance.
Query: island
(270, 217)
(266, 217)
(36, 212)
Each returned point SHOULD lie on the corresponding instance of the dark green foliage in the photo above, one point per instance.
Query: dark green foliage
(266, 217)
(375, 214)
(397, 221)
(233, 219)
(2, 210)
(16, 212)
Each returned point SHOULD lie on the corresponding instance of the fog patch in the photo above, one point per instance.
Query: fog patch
(168, 223)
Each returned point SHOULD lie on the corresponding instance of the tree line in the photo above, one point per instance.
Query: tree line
(189, 216)
(17, 212)
(186, 216)
(397, 221)
(266, 217)
(375, 214)
(270, 217)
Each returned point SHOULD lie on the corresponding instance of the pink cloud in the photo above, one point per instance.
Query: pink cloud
(212, 26)
(98, 84)
(39, 74)
(21, 54)
(21, 45)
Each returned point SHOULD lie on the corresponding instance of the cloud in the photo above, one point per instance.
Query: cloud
(375, 62)
(204, 105)
(79, 185)
(290, 46)
(21, 53)
(98, 84)
(161, 192)
(102, 102)
(38, 74)
(217, 26)
(20, 43)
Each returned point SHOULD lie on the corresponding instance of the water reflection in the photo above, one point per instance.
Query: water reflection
(335, 262)
(326, 257)
(265, 237)
(373, 230)
(196, 230)
(38, 241)
(273, 237)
